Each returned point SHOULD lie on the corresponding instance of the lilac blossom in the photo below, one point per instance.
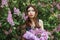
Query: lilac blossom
(10, 19)
(58, 6)
(4, 3)
(24, 16)
(43, 33)
(16, 11)
(29, 35)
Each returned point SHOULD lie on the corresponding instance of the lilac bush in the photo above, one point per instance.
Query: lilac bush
(47, 11)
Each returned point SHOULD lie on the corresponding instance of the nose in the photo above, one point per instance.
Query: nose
(30, 12)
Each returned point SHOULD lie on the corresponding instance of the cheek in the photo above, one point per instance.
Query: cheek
(33, 13)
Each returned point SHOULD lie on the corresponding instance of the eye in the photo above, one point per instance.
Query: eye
(31, 10)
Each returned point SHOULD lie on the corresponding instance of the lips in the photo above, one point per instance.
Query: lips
(31, 15)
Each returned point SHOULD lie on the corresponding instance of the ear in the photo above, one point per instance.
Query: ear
(41, 24)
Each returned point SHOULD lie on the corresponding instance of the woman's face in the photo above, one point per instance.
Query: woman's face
(31, 12)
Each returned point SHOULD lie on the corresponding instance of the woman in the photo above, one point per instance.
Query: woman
(32, 22)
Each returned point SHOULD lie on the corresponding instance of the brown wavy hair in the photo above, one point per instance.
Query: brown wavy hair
(28, 21)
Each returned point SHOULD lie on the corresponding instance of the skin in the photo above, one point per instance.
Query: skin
(31, 15)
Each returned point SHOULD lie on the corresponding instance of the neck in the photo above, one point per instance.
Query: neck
(32, 23)
(31, 19)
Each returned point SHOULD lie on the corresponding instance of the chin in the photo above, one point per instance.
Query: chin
(31, 16)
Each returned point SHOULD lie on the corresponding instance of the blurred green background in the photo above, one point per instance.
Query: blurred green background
(48, 11)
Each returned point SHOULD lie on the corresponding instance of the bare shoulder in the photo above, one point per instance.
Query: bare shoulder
(40, 20)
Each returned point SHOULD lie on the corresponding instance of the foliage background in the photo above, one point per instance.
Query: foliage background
(48, 11)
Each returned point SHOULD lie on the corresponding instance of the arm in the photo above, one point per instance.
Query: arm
(44, 35)
(41, 24)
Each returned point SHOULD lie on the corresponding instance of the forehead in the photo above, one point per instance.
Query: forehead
(30, 8)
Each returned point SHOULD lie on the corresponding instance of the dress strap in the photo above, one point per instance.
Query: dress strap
(28, 28)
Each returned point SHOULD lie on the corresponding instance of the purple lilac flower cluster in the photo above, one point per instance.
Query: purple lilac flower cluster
(32, 34)
(24, 16)
(16, 11)
(4, 3)
(10, 19)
